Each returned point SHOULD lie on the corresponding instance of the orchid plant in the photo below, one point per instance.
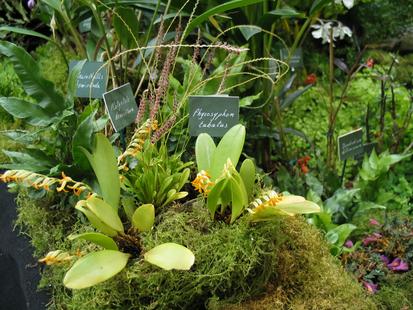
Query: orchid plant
(229, 192)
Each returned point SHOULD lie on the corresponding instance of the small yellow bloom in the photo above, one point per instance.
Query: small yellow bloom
(202, 182)
(56, 257)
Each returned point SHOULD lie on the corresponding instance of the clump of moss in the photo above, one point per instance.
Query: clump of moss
(307, 276)
(52, 65)
(396, 292)
(47, 221)
(271, 265)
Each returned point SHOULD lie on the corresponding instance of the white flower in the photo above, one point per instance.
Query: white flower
(323, 31)
(341, 31)
(347, 3)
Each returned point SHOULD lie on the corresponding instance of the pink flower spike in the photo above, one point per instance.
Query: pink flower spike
(398, 265)
(372, 238)
(370, 287)
(374, 222)
(349, 244)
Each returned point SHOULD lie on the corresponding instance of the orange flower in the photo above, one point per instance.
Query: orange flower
(202, 182)
(370, 63)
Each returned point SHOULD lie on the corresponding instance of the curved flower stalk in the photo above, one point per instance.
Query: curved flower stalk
(272, 204)
(40, 181)
(137, 141)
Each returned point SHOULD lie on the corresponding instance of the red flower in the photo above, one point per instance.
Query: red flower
(302, 162)
(310, 79)
(370, 63)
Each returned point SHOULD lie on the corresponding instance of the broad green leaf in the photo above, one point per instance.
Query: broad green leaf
(24, 31)
(247, 172)
(204, 150)
(230, 147)
(302, 207)
(228, 5)
(340, 234)
(32, 113)
(35, 161)
(94, 220)
(83, 137)
(105, 213)
(126, 24)
(104, 164)
(97, 238)
(238, 198)
(214, 196)
(170, 256)
(249, 30)
(95, 268)
(144, 217)
(33, 83)
(32, 33)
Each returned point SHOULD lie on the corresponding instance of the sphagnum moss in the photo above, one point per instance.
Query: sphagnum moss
(282, 264)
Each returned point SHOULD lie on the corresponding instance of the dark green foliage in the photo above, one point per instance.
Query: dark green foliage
(395, 15)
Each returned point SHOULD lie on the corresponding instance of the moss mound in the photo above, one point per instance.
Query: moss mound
(275, 265)
(396, 292)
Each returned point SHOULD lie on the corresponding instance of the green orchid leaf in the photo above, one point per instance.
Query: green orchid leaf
(104, 164)
(248, 31)
(204, 150)
(170, 256)
(97, 238)
(95, 268)
(94, 220)
(215, 195)
(247, 172)
(175, 196)
(32, 113)
(230, 147)
(304, 207)
(144, 217)
(105, 213)
(238, 203)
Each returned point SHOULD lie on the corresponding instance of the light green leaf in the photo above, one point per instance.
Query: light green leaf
(170, 256)
(96, 238)
(94, 220)
(248, 31)
(95, 268)
(104, 164)
(247, 172)
(230, 147)
(286, 12)
(340, 234)
(204, 150)
(214, 196)
(105, 213)
(144, 217)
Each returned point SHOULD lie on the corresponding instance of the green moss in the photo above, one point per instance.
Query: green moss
(52, 65)
(279, 264)
(396, 292)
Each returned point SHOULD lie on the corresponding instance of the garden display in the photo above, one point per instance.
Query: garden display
(243, 154)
